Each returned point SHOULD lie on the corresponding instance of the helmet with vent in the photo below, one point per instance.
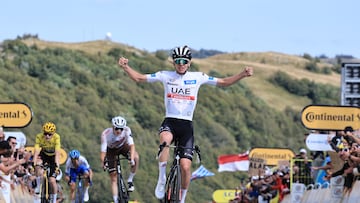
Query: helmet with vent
(118, 122)
(182, 52)
(49, 127)
(74, 154)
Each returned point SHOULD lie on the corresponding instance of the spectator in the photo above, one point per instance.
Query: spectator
(346, 170)
(302, 168)
(2, 134)
(6, 151)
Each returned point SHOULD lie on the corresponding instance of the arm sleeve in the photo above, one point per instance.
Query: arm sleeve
(67, 167)
(103, 142)
(85, 162)
(130, 139)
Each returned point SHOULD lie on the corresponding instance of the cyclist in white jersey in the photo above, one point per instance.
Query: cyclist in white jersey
(180, 98)
(118, 140)
(77, 164)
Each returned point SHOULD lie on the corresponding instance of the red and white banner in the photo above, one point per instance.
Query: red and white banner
(233, 162)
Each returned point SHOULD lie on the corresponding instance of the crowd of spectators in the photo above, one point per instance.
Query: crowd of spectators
(306, 169)
(261, 189)
(16, 163)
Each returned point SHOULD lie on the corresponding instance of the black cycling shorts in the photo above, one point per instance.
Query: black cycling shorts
(50, 160)
(183, 134)
(111, 156)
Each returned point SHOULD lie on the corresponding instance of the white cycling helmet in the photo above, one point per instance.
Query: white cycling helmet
(118, 122)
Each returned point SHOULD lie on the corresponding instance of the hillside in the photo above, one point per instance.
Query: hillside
(80, 87)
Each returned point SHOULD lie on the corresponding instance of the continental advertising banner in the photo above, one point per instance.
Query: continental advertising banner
(272, 156)
(330, 117)
(15, 115)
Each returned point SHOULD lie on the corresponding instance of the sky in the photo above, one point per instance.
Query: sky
(315, 27)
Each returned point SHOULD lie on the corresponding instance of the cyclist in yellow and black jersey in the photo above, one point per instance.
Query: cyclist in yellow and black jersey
(47, 147)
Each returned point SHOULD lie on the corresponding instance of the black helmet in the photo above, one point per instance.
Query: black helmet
(182, 52)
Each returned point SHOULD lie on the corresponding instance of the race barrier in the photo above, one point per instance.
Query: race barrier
(329, 194)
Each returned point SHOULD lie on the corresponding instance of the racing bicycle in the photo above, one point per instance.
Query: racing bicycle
(173, 180)
(80, 189)
(45, 184)
(123, 193)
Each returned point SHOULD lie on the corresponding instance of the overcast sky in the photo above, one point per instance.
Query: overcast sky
(316, 27)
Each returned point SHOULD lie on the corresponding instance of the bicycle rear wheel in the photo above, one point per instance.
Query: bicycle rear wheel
(173, 185)
(123, 194)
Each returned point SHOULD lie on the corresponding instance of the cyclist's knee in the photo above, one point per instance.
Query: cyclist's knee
(166, 136)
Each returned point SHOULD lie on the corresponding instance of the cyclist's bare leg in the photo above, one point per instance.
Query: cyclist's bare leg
(167, 137)
(87, 178)
(134, 168)
(185, 165)
(54, 188)
(72, 191)
(113, 180)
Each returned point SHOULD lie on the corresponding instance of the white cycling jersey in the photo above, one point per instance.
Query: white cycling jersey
(181, 91)
(69, 165)
(109, 139)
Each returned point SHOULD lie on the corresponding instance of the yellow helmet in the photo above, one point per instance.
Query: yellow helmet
(49, 127)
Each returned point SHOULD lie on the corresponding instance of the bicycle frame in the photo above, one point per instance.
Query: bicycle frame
(45, 187)
(123, 193)
(173, 180)
(122, 189)
(80, 189)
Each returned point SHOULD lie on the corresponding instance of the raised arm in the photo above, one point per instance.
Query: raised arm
(224, 82)
(136, 76)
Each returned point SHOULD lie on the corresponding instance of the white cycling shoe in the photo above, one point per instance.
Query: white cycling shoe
(160, 190)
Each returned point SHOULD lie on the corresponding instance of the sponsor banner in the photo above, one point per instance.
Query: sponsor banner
(318, 142)
(223, 196)
(330, 117)
(272, 156)
(15, 115)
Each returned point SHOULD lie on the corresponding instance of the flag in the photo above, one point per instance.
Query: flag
(233, 162)
(201, 172)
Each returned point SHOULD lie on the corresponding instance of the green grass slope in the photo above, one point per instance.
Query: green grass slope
(80, 87)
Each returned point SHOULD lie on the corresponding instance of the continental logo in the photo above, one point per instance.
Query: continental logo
(15, 115)
(330, 117)
(272, 156)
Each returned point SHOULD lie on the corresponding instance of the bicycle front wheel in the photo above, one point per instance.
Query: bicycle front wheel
(123, 194)
(80, 191)
(173, 185)
(45, 191)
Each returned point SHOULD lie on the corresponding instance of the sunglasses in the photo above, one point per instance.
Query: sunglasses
(118, 128)
(48, 134)
(181, 61)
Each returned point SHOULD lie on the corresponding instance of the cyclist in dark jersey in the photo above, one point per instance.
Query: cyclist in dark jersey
(180, 97)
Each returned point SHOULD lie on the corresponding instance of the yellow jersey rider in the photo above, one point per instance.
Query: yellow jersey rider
(47, 146)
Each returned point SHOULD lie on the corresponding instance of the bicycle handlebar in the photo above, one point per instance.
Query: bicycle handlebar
(164, 144)
(117, 158)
